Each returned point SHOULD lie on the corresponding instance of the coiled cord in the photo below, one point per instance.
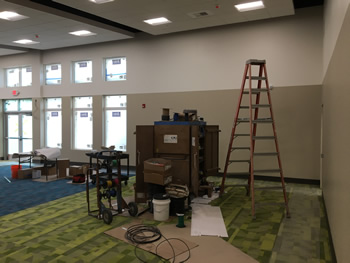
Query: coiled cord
(143, 234)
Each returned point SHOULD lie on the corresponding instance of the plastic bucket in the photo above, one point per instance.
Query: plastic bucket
(14, 171)
(161, 209)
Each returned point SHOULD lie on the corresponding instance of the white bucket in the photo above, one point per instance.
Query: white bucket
(161, 209)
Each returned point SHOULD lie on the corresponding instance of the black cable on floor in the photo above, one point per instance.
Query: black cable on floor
(142, 234)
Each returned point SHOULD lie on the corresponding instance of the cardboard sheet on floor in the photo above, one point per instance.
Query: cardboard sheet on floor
(207, 221)
(208, 248)
(161, 248)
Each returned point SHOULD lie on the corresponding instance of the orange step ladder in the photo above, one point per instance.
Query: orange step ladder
(257, 67)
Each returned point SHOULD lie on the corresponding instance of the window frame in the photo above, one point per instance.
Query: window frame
(45, 74)
(74, 111)
(47, 109)
(109, 108)
(74, 71)
(20, 77)
(105, 68)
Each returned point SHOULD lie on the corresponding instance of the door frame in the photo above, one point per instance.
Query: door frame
(20, 115)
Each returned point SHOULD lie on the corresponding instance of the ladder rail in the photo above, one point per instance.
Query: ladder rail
(276, 145)
(252, 144)
(222, 187)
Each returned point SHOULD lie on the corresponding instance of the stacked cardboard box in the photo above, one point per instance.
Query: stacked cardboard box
(78, 169)
(62, 167)
(157, 171)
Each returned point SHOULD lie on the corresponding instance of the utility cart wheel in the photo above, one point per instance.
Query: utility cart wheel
(133, 209)
(107, 216)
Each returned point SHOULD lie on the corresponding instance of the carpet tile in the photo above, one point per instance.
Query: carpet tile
(61, 230)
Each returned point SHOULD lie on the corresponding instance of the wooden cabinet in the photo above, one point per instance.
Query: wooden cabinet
(192, 147)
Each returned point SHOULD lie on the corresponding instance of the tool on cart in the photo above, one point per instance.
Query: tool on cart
(108, 184)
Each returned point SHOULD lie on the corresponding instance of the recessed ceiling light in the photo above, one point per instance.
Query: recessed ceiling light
(11, 16)
(25, 42)
(157, 21)
(101, 1)
(82, 33)
(250, 6)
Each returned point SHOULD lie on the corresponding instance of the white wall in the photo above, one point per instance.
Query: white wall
(334, 13)
(207, 59)
(202, 60)
(28, 59)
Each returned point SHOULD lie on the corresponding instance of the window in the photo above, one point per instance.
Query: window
(82, 112)
(82, 71)
(24, 105)
(19, 77)
(115, 122)
(115, 69)
(53, 122)
(53, 74)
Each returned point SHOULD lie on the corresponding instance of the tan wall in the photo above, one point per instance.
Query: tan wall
(297, 115)
(336, 143)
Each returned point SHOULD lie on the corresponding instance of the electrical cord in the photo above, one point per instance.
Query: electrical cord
(143, 234)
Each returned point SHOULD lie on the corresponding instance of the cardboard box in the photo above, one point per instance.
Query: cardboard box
(157, 165)
(157, 178)
(36, 173)
(25, 173)
(45, 171)
(78, 169)
(62, 165)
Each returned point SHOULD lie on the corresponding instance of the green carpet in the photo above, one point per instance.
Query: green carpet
(61, 230)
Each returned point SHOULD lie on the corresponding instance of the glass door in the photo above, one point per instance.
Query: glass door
(19, 133)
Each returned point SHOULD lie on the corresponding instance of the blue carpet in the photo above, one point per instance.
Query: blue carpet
(22, 194)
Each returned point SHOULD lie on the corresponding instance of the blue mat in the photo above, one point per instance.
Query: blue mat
(22, 194)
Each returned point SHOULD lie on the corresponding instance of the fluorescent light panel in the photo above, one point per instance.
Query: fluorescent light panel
(157, 21)
(11, 16)
(25, 42)
(250, 6)
(82, 33)
(101, 1)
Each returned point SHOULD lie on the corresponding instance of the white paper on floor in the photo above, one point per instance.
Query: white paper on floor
(205, 199)
(207, 221)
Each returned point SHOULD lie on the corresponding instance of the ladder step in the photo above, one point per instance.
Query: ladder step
(242, 134)
(262, 120)
(266, 154)
(256, 61)
(255, 106)
(240, 173)
(240, 148)
(256, 78)
(267, 171)
(263, 137)
(239, 161)
(255, 91)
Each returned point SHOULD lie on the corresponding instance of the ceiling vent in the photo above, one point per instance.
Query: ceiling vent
(199, 14)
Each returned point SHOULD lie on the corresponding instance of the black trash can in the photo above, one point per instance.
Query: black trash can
(177, 205)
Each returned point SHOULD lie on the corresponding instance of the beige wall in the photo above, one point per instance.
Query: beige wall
(296, 110)
(336, 143)
(297, 115)
(334, 13)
